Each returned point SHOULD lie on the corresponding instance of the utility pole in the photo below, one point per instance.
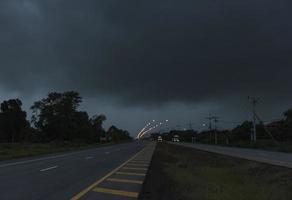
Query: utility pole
(190, 126)
(216, 135)
(210, 126)
(191, 129)
(215, 119)
(253, 101)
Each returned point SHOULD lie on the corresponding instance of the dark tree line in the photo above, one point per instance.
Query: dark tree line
(277, 131)
(55, 118)
(118, 134)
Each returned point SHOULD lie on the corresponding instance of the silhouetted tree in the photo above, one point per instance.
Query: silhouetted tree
(97, 122)
(13, 121)
(288, 115)
(118, 134)
(57, 117)
(242, 132)
(286, 126)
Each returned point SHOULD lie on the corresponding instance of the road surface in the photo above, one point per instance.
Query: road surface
(62, 176)
(269, 157)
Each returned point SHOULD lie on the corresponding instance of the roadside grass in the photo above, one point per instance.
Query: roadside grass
(268, 145)
(20, 150)
(265, 145)
(193, 174)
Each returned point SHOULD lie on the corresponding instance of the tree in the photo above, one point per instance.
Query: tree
(242, 132)
(287, 125)
(118, 134)
(288, 115)
(57, 117)
(13, 121)
(97, 122)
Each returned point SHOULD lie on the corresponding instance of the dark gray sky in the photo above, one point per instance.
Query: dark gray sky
(142, 60)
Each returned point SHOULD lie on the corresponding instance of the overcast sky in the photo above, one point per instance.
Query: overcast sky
(140, 60)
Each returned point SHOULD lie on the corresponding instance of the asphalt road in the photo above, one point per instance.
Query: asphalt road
(61, 176)
(269, 157)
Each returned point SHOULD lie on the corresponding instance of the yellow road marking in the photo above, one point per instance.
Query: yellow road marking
(135, 168)
(137, 165)
(131, 174)
(117, 192)
(124, 181)
(141, 161)
(89, 188)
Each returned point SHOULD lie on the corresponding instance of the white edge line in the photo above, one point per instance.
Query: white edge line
(49, 168)
(33, 160)
(51, 157)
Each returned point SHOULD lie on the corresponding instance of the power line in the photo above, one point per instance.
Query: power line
(229, 122)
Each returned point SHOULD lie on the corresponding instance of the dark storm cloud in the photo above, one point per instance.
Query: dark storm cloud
(147, 52)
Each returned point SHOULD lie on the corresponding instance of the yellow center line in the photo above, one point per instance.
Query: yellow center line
(117, 192)
(89, 188)
(135, 168)
(130, 174)
(124, 181)
(144, 161)
(137, 165)
(140, 161)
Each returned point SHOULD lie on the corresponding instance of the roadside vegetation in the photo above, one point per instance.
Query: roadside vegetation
(180, 173)
(275, 136)
(57, 125)
(20, 150)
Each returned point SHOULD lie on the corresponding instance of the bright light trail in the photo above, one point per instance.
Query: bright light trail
(150, 129)
(143, 129)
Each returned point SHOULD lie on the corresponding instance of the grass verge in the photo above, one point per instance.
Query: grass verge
(265, 145)
(20, 150)
(179, 173)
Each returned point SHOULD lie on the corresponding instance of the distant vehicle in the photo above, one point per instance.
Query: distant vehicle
(159, 139)
(175, 138)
